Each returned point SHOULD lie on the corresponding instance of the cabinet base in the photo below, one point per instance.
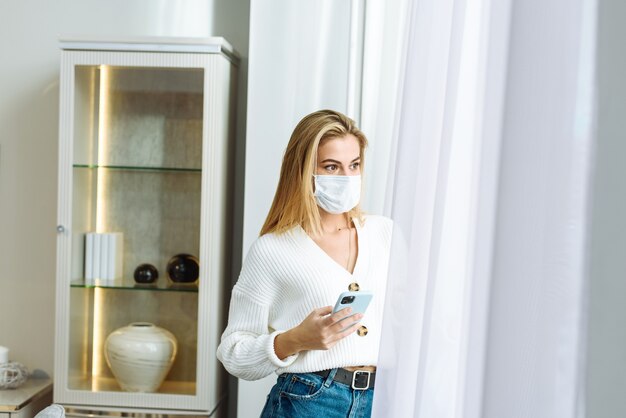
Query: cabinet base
(95, 412)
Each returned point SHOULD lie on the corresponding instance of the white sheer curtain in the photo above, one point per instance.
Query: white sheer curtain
(463, 212)
(437, 186)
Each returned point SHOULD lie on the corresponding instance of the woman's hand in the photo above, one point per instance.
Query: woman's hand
(318, 331)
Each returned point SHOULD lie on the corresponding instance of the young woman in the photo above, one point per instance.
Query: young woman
(315, 244)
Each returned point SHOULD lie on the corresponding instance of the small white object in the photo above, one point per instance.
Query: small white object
(4, 355)
(97, 241)
(104, 256)
(89, 256)
(115, 254)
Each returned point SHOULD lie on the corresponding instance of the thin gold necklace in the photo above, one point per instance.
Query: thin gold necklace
(349, 248)
(348, 227)
(349, 245)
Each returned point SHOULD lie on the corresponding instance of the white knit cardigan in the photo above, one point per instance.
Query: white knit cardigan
(286, 276)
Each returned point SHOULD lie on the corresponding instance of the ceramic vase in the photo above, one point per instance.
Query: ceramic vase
(140, 355)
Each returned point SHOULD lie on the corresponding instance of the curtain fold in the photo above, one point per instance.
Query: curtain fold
(491, 167)
(420, 349)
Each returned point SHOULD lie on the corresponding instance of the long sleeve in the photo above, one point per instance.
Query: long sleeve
(247, 344)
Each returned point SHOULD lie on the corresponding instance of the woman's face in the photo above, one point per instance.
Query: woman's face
(339, 156)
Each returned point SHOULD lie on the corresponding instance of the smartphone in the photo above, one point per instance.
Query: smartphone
(358, 301)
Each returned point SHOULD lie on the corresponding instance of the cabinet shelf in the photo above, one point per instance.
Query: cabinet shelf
(140, 169)
(109, 384)
(127, 284)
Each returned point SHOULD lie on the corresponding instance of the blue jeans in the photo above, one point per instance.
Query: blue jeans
(307, 395)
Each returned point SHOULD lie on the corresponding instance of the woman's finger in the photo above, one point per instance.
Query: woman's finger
(347, 331)
(337, 316)
(324, 310)
(346, 322)
(342, 314)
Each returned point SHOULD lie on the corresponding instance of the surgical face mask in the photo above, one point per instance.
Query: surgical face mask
(337, 194)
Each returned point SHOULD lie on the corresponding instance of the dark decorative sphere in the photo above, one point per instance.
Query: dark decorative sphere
(183, 268)
(146, 273)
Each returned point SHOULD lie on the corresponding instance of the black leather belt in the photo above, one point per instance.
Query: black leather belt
(358, 379)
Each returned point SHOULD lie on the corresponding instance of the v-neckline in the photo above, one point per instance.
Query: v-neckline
(325, 256)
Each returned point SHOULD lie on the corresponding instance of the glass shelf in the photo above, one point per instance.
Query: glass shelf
(162, 285)
(143, 169)
(109, 384)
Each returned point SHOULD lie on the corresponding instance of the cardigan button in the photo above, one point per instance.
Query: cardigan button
(354, 287)
(362, 331)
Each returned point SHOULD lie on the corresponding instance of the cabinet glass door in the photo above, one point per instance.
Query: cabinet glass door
(136, 184)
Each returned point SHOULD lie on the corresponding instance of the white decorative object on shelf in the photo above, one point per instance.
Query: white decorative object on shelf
(140, 355)
(89, 248)
(104, 255)
(115, 255)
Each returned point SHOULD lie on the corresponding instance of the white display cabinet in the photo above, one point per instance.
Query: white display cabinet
(145, 149)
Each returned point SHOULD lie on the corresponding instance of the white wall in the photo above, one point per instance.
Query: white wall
(29, 137)
(606, 368)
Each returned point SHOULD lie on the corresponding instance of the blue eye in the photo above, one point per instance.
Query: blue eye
(331, 167)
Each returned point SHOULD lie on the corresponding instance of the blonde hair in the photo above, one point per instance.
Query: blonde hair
(294, 203)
